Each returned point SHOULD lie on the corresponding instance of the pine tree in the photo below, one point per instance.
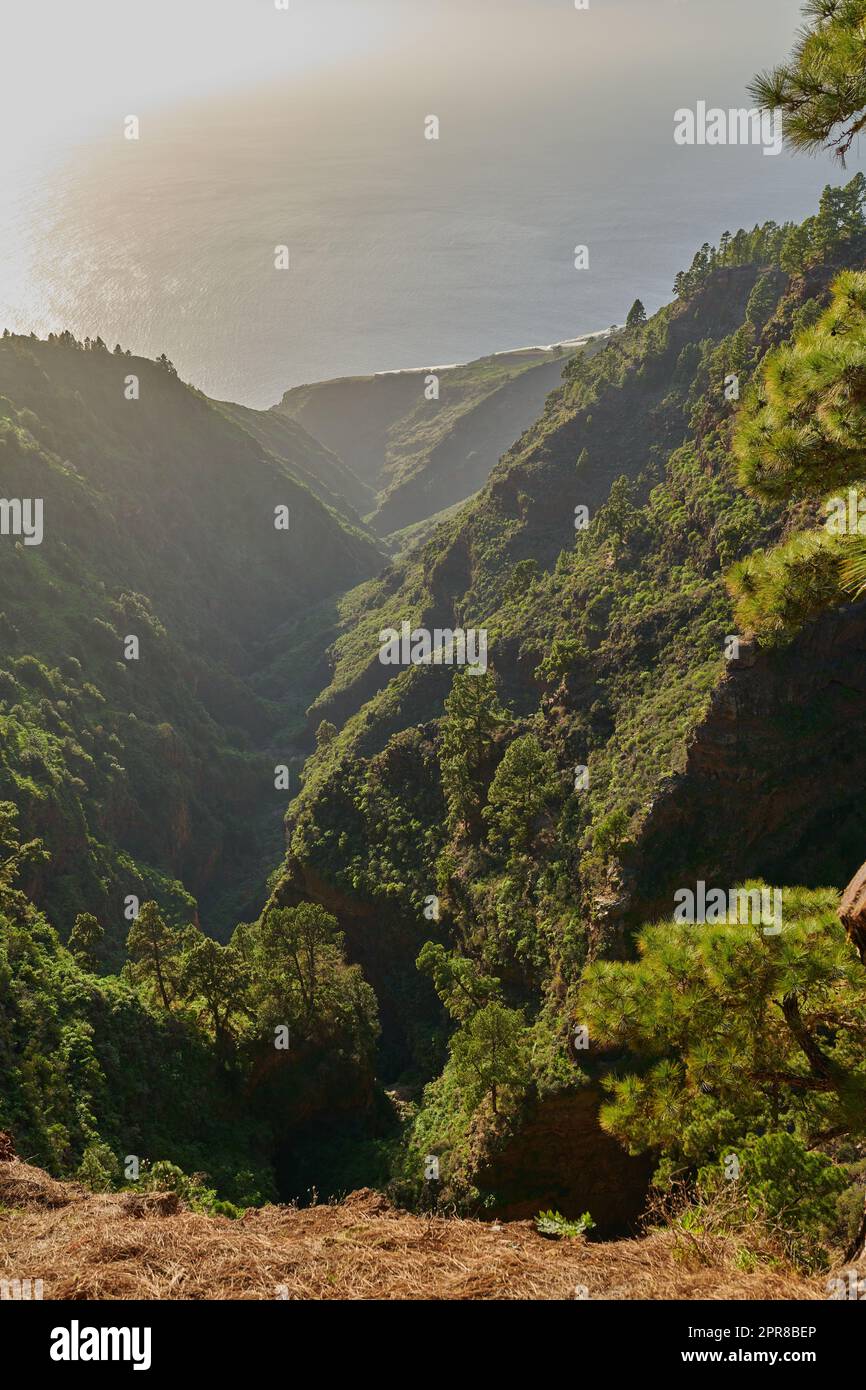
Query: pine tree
(804, 428)
(85, 939)
(154, 952)
(636, 315)
(473, 715)
(738, 1031)
(821, 91)
(524, 786)
(300, 978)
(802, 433)
(457, 980)
(490, 1053)
(219, 977)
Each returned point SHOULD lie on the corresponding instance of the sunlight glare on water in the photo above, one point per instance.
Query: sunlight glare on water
(261, 127)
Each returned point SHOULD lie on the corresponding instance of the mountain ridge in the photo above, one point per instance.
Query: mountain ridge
(423, 453)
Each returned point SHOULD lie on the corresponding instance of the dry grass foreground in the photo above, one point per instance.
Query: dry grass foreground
(124, 1245)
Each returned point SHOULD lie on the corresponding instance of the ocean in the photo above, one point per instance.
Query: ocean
(555, 130)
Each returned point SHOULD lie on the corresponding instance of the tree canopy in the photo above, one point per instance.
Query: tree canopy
(821, 90)
(737, 1032)
(801, 433)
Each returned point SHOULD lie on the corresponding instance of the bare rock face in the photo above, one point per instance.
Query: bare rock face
(852, 911)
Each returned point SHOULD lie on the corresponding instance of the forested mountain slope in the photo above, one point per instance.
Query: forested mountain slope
(617, 415)
(421, 453)
(332, 480)
(470, 854)
(523, 822)
(160, 523)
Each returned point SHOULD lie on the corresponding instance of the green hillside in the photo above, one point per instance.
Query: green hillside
(452, 958)
(146, 774)
(611, 754)
(421, 455)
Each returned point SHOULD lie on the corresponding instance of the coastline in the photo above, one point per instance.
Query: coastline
(563, 346)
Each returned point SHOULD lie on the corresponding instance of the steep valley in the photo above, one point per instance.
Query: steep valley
(424, 441)
(192, 653)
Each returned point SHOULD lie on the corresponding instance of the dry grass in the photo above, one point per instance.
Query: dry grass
(121, 1246)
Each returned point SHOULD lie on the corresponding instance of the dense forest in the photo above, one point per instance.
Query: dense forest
(444, 965)
(456, 972)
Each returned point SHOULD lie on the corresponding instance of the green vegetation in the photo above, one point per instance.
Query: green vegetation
(636, 315)
(150, 776)
(553, 1223)
(795, 1194)
(523, 800)
(822, 89)
(179, 1061)
(800, 434)
(792, 247)
(472, 858)
(737, 1031)
(419, 453)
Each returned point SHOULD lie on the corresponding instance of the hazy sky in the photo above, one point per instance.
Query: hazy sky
(261, 127)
